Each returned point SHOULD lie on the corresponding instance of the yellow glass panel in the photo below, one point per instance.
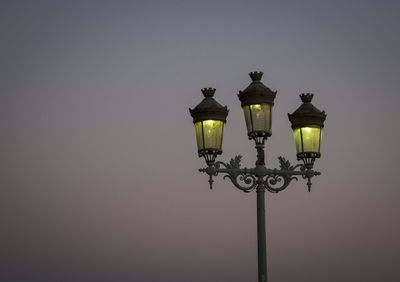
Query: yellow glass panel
(257, 117)
(297, 140)
(199, 134)
(213, 131)
(307, 139)
(247, 118)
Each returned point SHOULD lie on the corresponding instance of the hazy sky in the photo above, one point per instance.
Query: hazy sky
(98, 163)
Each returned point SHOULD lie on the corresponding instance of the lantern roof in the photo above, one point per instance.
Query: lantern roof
(307, 114)
(256, 92)
(209, 108)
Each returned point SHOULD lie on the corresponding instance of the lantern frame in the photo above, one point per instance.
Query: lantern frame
(257, 94)
(209, 110)
(307, 116)
(259, 178)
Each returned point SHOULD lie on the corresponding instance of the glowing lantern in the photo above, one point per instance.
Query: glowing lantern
(209, 118)
(257, 102)
(307, 123)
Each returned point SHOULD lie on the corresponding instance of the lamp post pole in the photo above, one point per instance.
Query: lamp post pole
(257, 100)
(261, 235)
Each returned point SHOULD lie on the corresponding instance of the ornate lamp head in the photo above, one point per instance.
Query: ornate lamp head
(209, 118)
(307, 123)
(257, 102)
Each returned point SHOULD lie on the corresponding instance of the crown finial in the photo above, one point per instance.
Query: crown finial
(208, 92)
(256, 75)
(306, 97)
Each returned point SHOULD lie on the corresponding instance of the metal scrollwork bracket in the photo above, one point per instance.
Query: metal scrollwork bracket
(247, 179)
(286, 174)
(234, 172)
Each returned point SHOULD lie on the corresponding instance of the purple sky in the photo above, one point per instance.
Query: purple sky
(98, 163)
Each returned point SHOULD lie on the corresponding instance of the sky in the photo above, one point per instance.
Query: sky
(99, 175)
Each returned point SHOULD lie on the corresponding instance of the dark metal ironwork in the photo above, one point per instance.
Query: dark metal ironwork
(248, 179)
(209, 109)
(305, 116)
(257, 94)
(259, 178)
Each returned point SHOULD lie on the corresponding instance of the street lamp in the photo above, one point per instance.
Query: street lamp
(209, 118)
(307, 123)
(257, 100)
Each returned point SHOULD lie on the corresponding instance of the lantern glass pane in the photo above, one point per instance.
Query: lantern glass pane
(308, 139)
(199, 134)
(209, 134)
(258, 117)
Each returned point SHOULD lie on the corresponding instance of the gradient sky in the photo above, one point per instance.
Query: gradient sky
(98, 163)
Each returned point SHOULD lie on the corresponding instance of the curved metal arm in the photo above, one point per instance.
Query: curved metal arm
(287, 174)
(271, 182)
(274, 180)
(248, 179)
(234, 173)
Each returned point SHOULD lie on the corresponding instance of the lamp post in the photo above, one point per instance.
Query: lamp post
(257, 100)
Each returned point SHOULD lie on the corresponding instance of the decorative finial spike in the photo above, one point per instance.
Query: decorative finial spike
(306, 97)
(309, 184)
(211, 182)
(208, 92)
(256, 75)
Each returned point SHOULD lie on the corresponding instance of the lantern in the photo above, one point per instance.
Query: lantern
(257, 101)
(307, 123)
(209, 118)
